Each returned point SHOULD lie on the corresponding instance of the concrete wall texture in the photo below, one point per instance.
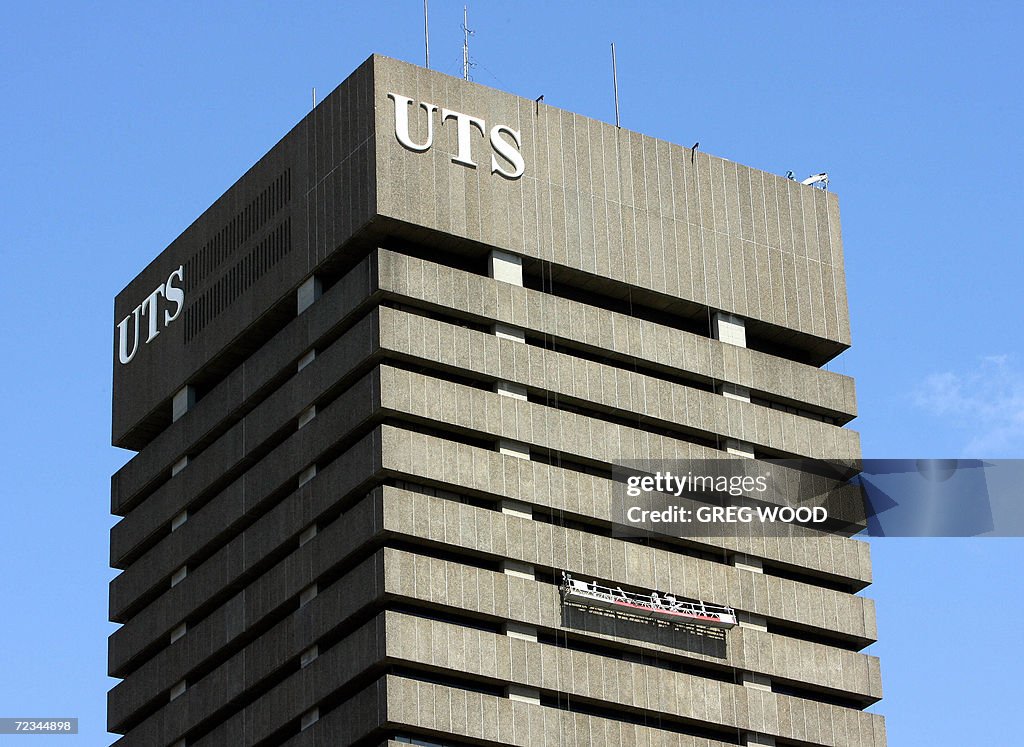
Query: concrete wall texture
(384, 423)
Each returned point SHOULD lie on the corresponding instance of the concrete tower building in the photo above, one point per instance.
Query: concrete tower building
(377, 390)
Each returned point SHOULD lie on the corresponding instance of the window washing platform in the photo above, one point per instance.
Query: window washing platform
(651, 606)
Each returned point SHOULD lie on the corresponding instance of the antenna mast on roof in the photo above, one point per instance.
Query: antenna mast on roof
(615, 85)
(466, 32)
(426, 36)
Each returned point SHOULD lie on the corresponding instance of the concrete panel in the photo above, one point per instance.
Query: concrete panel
(600, 678)
(545, 314)
(609, 388)
(769, 596)
(535, 604)
(585, 496)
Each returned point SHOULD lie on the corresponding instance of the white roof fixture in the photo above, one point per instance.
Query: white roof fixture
(659, 607)
(821, 179)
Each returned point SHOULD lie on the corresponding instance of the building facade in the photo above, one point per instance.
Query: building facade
(377, 390)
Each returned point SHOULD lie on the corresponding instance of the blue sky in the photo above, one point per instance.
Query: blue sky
(123, 121)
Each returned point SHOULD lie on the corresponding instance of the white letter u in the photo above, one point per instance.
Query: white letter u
(402, 122)
(122, 337)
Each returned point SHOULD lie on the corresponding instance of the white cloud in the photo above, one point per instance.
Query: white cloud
(987, 403)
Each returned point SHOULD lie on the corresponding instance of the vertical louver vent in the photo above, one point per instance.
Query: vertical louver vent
(243, 226)
(234, 282)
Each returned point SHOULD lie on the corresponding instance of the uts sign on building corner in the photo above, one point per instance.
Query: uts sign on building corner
(150, 308)
(166, 302)
(504, 141)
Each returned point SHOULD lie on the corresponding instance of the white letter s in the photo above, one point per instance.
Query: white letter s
(174, 294)
(508, 151)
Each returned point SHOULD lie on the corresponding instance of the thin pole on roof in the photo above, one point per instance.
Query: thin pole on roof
(465, 42)
(615, 85)
(426, 36)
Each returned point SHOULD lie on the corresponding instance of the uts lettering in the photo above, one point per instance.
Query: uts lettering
(150, 309)
(504, 140)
